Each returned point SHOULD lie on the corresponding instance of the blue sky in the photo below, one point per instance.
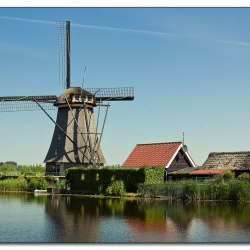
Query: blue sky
(189, 67)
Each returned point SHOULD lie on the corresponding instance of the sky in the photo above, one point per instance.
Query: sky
(189, 68)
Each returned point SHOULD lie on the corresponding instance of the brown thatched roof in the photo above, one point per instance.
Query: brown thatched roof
(228, 160)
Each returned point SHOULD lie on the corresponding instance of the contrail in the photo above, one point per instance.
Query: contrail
(230, 42)
(86, 26)
(148, 32)
(135, 31)
(28, 20)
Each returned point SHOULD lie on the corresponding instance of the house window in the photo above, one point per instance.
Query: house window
(89, 98)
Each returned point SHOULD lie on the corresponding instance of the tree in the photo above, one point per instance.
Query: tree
(11, 163)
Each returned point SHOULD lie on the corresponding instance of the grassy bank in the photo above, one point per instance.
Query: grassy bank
(233, 189)
(27, 184)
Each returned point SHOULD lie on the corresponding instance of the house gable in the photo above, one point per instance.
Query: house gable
(180, 161)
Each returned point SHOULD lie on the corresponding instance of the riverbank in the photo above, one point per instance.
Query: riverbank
(222, 188)
(27, 184)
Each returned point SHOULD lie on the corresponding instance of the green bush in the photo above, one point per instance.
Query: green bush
(244, 177)
(228, 175)
(7, 167)
(116, 188)
(37, 183)
(19, 184)
(239, 190)
(189, 190)
(31, 169)
(220, 191)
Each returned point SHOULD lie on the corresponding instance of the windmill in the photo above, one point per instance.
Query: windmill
(76, 138)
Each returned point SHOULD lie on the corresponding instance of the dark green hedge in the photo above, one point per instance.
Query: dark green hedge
(96, 180)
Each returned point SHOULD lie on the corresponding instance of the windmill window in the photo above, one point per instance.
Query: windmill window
(59, 136)
(77, 97)
(89, 98)
(83, 177)
(113, 177)
(56, 151)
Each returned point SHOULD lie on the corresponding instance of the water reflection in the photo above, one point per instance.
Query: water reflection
(144, 220)
(81, 219)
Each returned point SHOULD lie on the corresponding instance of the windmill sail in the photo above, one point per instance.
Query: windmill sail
(63, 29)
(113, 94)
(26, 103)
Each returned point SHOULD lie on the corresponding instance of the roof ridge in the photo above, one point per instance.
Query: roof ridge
(223, 153)
(157, 143)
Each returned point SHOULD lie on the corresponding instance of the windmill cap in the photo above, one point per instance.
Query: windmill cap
(61, 99)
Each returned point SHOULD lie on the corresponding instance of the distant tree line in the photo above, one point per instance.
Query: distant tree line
(8, 163)
(12, 166)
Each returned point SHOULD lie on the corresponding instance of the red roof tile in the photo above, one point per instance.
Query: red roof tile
(209, 171)
(152, 154)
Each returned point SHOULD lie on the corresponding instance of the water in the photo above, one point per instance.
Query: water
(28, 218)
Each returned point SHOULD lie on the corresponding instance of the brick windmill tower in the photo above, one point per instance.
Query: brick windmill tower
(76, 138)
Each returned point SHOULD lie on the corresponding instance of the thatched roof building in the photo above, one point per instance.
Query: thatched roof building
(235, 161)
(228, 160)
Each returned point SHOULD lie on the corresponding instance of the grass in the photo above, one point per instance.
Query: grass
(232, 189)
(22, 184)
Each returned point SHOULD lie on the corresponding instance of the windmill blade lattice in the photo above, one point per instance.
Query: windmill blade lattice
(26, 103)
(113, 94)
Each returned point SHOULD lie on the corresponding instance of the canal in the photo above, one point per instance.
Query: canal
(29, 218)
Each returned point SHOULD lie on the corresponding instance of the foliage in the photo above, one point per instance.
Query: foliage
(63, 184)
(98, 179)
(49, 178)
(189, 190)
(180, 175)
(19, 184)
(244, 177)
(11, 163)
(229, 175)
(239, 190)
(7, 167)
(37, 183)
(33, 168)
(236, 190)
(116, 188)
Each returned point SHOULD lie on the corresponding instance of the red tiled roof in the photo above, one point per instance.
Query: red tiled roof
(209, 171)
(152, 154)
